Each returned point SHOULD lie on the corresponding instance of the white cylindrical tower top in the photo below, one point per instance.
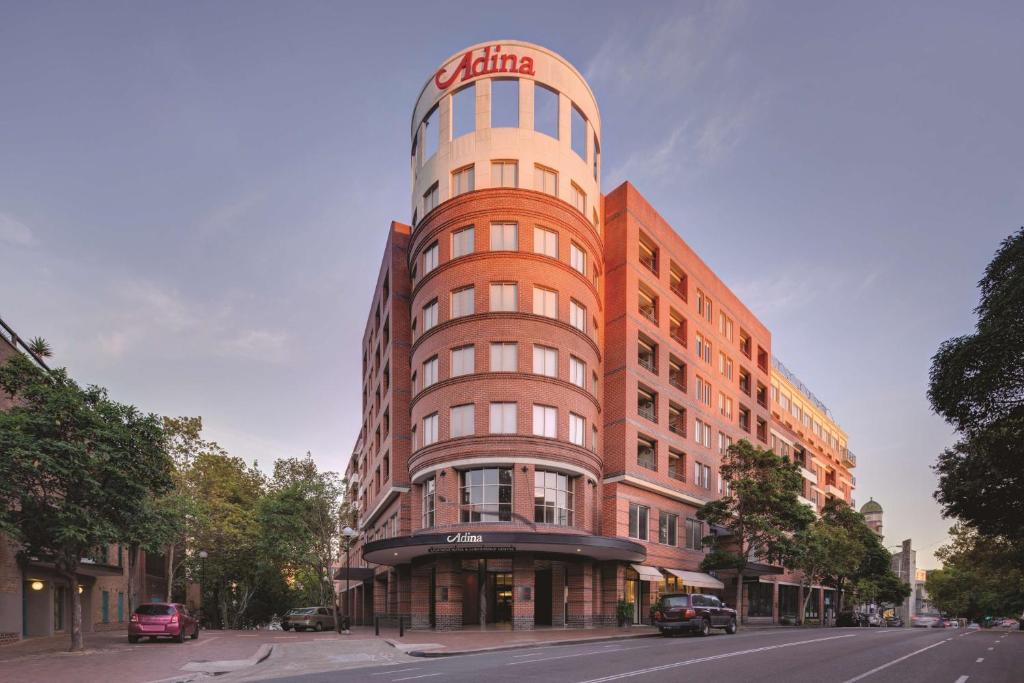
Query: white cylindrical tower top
(506, 114)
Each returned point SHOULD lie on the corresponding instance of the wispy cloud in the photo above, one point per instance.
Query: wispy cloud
(795, 289)
(13, 231)
(266, 345)
(230, 214)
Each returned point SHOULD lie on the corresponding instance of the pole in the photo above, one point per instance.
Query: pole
(202, 592)
(348, 597)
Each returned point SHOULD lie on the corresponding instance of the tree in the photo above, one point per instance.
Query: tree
(977, 385)
(761, 511)
(68, 452)
(981, 576)
(823, 551)
(40, 347)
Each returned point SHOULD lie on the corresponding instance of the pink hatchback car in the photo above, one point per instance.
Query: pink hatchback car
(162, 620)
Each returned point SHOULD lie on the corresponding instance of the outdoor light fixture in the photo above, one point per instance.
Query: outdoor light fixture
(37, 585)
(81, 589)
(525, 469)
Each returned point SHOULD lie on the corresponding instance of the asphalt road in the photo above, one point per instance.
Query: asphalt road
(840, 655)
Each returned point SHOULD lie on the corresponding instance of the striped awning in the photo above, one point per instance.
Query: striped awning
(647, 573)
(696, 579)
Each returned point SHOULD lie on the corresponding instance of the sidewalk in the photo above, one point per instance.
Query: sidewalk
(434, 643)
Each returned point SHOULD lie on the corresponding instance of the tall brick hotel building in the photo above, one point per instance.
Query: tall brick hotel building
(550, 377)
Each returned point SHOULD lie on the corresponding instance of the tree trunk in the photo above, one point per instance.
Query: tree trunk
(134, 559)
(170, 571)
(805, 597)
(77, 641)
(739, 596)
(839, 595)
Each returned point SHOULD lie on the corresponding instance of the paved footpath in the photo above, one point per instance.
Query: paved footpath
(808, 655)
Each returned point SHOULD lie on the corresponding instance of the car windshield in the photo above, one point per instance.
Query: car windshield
(154, 609)
(303, 610)
(670, 601)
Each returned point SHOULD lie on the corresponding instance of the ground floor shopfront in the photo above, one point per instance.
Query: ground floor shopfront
(511, 580)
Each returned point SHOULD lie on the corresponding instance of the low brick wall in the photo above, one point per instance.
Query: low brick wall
(8, 638)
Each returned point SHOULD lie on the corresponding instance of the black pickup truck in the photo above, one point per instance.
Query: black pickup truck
(693, 612)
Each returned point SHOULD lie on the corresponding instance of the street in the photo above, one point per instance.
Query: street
(791, 656)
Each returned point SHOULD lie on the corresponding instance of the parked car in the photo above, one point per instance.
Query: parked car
(927, 621)
(875, 619)
(693, 612)
(162, 620)
(1007, 623)
(894, 621)
(851, 618)
(306, 618)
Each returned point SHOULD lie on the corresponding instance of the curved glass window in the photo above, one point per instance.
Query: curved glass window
(552, 498)
(545, 110)
(486, 495)
(505, 103)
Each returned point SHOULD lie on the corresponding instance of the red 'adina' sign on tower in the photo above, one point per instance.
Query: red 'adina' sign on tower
(487, 63)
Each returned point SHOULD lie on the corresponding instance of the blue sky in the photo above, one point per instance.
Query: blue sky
(194, 196)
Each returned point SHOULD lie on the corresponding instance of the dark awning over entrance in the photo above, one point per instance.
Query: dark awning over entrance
(353, 574)
(392, 551)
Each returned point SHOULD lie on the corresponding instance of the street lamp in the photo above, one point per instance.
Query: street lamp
(202, 583)
(349, 533)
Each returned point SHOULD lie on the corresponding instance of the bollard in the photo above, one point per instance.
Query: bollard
(376, 625)
(401, 627)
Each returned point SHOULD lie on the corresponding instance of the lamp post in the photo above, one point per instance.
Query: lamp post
(349, 533)
(202, 584)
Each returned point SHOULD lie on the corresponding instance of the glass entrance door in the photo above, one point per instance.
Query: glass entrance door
(633, 598)
(500, 591)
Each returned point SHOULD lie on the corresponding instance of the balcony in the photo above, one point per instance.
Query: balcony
(849, 459)
(834, 491)
(677, 427)
(678, 380)
(645, 409)
(649, 313)
(808, 475)
(649, 261)
(678, 334)
(806, 502)
(647, 362)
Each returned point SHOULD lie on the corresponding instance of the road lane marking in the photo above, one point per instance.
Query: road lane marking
(979, 660)
(962, 679)
(895, 661)
(664, 667)
(409, 678)
(990, 649)
(205, 641)
(395, 671)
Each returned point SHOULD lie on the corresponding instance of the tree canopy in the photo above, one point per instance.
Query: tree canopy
(980, 576)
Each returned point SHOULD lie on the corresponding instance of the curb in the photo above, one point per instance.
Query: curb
(229, 665)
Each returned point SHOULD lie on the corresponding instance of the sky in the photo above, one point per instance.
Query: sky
(194, 196)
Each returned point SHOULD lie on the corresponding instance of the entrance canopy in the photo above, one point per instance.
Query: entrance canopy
(485, 543)
(648, 573)
(696, 579)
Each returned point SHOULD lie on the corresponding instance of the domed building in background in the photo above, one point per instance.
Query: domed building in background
(872, 512)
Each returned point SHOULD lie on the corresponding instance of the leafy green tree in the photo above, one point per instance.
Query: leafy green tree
(981, 576)
(761, 511)
(823, 551)
(68, 454)
(977, 385)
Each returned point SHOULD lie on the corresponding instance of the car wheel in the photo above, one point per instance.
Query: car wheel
(181, 636)
(195, 633)
(664, 632)
(319, 627)
(133, 639)
(731, 628)
(705, 627)
(285, 627)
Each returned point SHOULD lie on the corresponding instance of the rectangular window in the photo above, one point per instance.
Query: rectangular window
(725, 325)
(504, 237)
(724, 405)
(578, 133)
(676, 465)
(647, 305)
(577, 430)
(725, 365)
(430, 372)
(429, 491)
(667, 528)
(463, 111)
(545, 110)
(463, 420)
(463, 180)
(545, 302)
(694, 534)
(503, 418)
(578, 316)
(430, 199)
(552, 498)
(702, 475)
(463, 302)
(504, 296)
(545, 242)
(638, 521)
(463, 361)
(704, 306)
(648, 255)
(577, 372)
(463, 242)
(431, 134)
(545, 421)
(703, 388)
(504, 174)
(647, 453)
(702, 432)
(504, 357)
(578, 198)
(486, 495)
(430, 429)
(545, 180)
(647, 354)
(545, 361)
(430, 258)
(578, 259)
(504, 103)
